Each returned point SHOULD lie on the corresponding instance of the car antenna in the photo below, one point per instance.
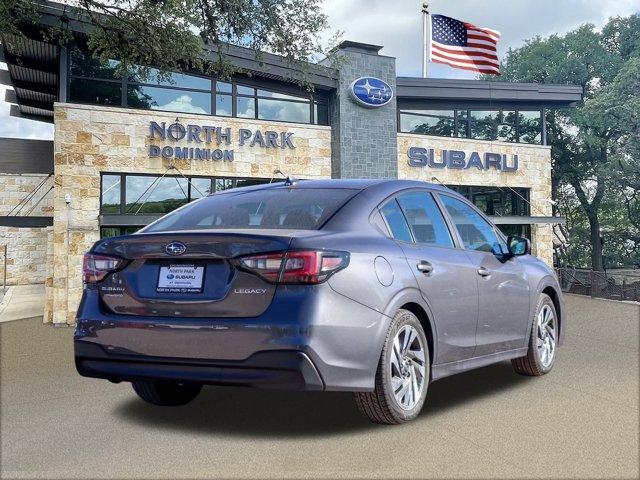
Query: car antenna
(289, 179)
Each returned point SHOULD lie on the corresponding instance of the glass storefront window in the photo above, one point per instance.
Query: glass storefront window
(224, 87)
(95, 92)
(283, 110)
(110, 198)
(506, 121)
(428, 122)
(157, 98)
(223, 184)
(530, 127)
(200, 187)
(160, 194)
(152, 75)
(483, 125)
(503, 125)
(94, 82)
(154, 194)
(246, 107)
(84, 64)
(497, 201)
(106, 232)
(242, 90)
(321, 113)
(462, 121)
(224, 106)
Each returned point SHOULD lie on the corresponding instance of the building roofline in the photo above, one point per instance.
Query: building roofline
(413, 88)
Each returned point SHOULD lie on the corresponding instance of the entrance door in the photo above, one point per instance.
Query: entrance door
(503, 290)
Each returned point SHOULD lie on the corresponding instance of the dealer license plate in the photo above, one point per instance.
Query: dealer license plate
(180, 279)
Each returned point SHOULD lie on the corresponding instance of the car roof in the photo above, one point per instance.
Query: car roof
(343, 183)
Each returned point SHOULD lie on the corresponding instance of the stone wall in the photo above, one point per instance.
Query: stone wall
(89, 140)
(26, 247)
(364, 139)
(534, 172)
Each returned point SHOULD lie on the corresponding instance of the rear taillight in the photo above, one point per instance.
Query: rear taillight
(96, 267)
(295, 267)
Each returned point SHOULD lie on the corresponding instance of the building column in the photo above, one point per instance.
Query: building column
(363, 139)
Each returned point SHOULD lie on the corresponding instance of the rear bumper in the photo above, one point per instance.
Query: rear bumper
(289, 370)
(309, 338)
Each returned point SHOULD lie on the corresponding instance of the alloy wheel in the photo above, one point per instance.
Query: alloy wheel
(407, 367)
(546, 342)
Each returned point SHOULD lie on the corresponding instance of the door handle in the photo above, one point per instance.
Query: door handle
(484, 272)
(424, 267)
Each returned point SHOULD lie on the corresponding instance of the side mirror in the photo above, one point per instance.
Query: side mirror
(519, 246)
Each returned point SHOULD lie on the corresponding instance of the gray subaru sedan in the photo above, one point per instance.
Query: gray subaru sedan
(373, 286)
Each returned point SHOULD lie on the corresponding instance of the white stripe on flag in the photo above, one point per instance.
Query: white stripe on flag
(460, 63)
(463, 57)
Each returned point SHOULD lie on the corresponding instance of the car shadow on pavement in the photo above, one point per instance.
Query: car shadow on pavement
(269, 413)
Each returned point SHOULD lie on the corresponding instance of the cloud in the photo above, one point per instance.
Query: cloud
(19, 127)
(398, 25)
(183, 103)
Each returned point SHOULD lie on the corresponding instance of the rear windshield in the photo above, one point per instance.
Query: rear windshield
(284, 208)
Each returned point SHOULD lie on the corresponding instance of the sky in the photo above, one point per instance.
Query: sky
(397, 25)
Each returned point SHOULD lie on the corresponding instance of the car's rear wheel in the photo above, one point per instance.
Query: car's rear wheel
(166, 394)
(402, 376)
(542, 342)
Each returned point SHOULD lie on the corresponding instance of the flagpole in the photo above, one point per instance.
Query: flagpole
(426, 37)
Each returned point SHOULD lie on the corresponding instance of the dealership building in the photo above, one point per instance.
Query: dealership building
(129, 148)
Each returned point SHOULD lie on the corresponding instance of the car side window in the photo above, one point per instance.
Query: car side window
(425, 219)
(475, 231)
(395, 220)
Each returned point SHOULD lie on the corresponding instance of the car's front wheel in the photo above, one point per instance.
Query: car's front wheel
(402, 376)
(542, 342)
(166, 394)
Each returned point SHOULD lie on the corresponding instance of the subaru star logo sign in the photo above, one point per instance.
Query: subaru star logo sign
(175, 248)
(371, 92)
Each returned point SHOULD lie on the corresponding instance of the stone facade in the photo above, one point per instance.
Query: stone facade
(363, 139)
(26, 247)
(89, 140)
(534, 173)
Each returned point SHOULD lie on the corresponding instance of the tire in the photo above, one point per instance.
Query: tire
(382, 405)
(534, 363)
(166, 394)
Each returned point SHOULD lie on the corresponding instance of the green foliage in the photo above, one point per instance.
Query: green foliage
(172, 35)
(596, 146)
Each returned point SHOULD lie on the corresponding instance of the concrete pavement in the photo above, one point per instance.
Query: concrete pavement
(22, 301)
(580, 421)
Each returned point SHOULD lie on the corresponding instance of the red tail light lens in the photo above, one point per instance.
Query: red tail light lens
(96, 267)
(296, 267)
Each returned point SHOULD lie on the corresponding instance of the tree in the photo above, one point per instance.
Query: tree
(172, 35)
(595, 146)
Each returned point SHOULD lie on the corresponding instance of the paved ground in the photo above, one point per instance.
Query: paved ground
(581, 421)
(22, 301)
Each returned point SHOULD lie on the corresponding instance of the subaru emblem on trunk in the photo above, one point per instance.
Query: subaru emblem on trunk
(175, 248)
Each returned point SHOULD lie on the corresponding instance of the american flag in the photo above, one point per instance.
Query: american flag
(463, 45)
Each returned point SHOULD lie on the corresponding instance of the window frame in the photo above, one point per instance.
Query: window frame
(464, 127)
(122, 210)
(458, 236)
(455, 240)
(125, 82)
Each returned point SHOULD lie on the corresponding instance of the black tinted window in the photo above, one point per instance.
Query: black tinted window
(396, 221)
(476, 232)
(285, 208)
(425, 220)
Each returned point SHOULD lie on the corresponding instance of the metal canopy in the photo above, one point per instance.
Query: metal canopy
(524, 220)
(20, 155)
(469, 93)
(33, 74)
